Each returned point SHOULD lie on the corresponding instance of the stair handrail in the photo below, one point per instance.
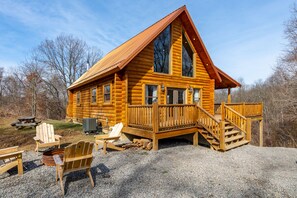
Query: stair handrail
(244, 126)
(215, 130)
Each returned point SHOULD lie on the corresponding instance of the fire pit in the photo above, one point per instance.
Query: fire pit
(47, 157)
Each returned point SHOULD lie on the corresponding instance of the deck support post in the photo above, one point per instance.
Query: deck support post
(195, 139)
(155, 117)
(248, 129)
(223, 111)
(222, 136)
(261, 133)
(155, 124)
(229, 95)
(155, 142)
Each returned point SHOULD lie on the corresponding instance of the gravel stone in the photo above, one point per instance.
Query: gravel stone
(178, 169)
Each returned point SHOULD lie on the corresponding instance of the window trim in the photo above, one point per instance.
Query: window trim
(200, 95)
(169, 56)
(144, 93)
(194, 55)
(78, 103)
(91, 95)
(110, 93)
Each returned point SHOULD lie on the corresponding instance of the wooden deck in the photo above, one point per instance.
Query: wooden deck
(223, 131)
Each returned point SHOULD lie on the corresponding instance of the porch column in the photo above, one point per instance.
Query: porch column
(261, 133)
(229, 95)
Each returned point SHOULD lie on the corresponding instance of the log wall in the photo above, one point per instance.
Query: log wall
(141, 72)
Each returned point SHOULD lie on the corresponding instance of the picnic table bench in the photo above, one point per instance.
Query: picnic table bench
(25, 122)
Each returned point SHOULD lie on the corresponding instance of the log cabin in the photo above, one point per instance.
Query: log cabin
(161, 84)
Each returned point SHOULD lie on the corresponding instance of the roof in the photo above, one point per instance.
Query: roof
(118, 58)
(227, 81)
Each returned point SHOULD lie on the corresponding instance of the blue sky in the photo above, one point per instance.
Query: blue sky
(244, 38)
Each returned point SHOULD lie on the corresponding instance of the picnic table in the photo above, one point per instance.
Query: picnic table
(25, 122)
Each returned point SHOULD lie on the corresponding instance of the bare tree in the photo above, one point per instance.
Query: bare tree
(67, 57)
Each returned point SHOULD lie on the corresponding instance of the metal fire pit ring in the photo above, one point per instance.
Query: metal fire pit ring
(47, 157)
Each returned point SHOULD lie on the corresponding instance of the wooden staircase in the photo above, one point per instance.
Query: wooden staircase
(233, 138)
(223, 135)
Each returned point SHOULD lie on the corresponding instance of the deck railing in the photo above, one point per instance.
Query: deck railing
(245, 109)
(209, 122)
(176, 116)
(140, 116)
(241, 122)
(160, 118)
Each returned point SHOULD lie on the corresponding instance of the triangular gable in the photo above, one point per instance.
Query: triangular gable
(118, 58)
(227, 81)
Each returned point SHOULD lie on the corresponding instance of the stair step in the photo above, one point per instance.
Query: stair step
(229, 127)
(215, 147)
(205, 132)
(237, 144)
(231, 132)
(215, 143)
(233, 138)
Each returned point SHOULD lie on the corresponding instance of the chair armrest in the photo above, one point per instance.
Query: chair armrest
(9, 155)
(36, 138)
(110, 138)
(58, 137)
(57, 160)
(9, 150)
(100, 137)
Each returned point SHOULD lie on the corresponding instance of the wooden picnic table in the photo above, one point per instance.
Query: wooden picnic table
(25, 122)
(30, 119)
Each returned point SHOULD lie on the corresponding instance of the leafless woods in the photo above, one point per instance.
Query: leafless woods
(38, 87)
(278, 92)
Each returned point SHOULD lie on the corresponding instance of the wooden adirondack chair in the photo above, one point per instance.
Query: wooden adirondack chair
(11, 157)
(45, 136)
(76, 157)
(110, 139)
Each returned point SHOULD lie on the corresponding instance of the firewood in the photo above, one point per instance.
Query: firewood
(136, 141)
(143, 142)
(126, 146)
(149, 146)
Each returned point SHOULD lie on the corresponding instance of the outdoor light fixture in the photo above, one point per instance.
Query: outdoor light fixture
(162, 87)
(190, 89)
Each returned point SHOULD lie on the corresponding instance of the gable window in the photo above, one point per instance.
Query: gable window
(161, 51)
(93, 95)
(151, 94)
(106, 93)
(196, 96)
(78, 98)
(187, 58)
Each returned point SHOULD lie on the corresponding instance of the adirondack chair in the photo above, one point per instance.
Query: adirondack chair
(10, 158)
(110, 139)
(45, 136)
(76, 157)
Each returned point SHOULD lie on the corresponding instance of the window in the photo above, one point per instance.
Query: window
(151, 94)
(78, 98)
(106, 93)
(161, 51)
(187, 56)
(93, 95)
(196, 96)
(175, 96)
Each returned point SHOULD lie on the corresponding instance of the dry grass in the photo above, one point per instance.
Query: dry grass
(10, 136)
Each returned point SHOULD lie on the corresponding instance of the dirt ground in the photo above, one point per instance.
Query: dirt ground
(10, 136)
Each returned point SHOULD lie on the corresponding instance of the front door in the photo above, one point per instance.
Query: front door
(176, 96)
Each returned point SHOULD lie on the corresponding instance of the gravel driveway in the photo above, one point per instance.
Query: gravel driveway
(176, 170)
